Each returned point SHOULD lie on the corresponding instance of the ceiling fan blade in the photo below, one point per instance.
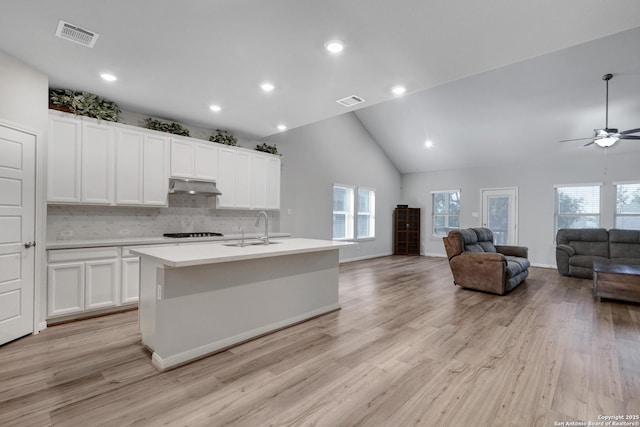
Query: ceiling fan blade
(629, 136)
(589, 143)
(576, 139)
(627, 132)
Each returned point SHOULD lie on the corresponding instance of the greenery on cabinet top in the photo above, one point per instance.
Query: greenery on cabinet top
(88, 104)
(84, 104)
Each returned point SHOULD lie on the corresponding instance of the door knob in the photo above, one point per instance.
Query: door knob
(29, 244)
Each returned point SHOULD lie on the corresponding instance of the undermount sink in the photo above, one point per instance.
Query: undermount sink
(250, 244)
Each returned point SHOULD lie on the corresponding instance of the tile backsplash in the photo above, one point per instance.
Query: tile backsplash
(185, 214)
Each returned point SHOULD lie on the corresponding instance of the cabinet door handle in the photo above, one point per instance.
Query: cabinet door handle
(29, 244)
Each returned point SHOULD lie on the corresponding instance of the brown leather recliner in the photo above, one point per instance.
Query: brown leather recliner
(477, 263)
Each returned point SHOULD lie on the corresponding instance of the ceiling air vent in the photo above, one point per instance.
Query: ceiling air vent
(76, 34)
(350, 101)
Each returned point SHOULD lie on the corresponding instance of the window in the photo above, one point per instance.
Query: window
(628, 206)
(349, 223)
(446, 211)
(342, 212)
(578, 206)
(366, 213)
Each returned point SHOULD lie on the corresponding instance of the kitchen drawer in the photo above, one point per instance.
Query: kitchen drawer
(65, 255)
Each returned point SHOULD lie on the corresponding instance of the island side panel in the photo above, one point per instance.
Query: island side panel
(151, 274)
(209, 307)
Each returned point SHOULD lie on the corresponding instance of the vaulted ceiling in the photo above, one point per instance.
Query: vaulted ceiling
(481, 77)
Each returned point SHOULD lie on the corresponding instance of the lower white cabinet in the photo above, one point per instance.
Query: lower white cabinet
(82, 279)
(65, 288)
(130, 276)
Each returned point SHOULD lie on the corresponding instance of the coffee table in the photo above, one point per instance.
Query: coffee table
(616, 281)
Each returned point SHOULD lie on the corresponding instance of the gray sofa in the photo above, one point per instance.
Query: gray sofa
(578, 249)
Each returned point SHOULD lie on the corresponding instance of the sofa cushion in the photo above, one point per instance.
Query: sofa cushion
(586, 261)
(516, 265)
(485, 239)
(470, 239)
(624, 244)
(585, 241)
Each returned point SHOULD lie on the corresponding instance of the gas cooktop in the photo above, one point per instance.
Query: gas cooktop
(196, 234)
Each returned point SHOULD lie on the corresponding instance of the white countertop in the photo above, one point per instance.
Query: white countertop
(211, 253)
(134, 241)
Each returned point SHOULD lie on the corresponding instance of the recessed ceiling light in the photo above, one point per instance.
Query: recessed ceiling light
(428, 144)
(108, 77)
(267, 87)
(215, 108)
(334, 46)
(282, 127)
(398, 90)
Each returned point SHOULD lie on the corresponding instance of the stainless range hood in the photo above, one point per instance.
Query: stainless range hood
(192, 186)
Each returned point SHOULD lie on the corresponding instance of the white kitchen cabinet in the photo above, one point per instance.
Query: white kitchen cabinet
(101, 284)
(80, 280)
(130, 281)
(63, 181)
(194, 160)
(80, 161)
(155, 170)
(97, 184)
(65, 288)
(260, 182)
(235, 178)
(273, 183)
(266, 182)
(129, 169)
(141, 168)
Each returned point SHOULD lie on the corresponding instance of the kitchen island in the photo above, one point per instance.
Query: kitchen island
(202, 298)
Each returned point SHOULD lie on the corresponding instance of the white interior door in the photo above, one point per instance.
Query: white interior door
(17, 233)
(500, 214)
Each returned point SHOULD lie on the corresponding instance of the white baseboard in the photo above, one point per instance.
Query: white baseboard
(435, 255)
(537, 264)
(360, 258)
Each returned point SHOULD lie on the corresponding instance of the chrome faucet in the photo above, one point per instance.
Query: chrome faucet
(241, 242)
(264, 238)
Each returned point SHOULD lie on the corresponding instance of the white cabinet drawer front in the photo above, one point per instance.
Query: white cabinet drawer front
(64, 255)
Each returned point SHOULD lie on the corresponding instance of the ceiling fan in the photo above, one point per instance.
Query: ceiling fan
(608, 136)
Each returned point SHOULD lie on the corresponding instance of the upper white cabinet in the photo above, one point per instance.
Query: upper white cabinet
(97, 164)
(105, 163)
(108, 163)
(235, 178)
(141, 168)
(273, 183)
(195, 160)
(63, 183)
(248, 180)
(266, 182)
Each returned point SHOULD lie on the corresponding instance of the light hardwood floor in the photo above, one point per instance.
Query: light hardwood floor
(407, 348)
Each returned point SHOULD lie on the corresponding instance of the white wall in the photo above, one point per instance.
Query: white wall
(535, 183)
(336, 150)
(24, 103)
(23, 94)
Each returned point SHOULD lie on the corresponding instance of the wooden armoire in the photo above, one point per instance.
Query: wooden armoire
(406, 231)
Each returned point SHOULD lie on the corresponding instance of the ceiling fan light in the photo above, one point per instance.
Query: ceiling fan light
(607, 142)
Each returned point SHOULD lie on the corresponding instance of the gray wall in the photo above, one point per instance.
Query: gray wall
(535, 183)
(23, 94)
(336, 150)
